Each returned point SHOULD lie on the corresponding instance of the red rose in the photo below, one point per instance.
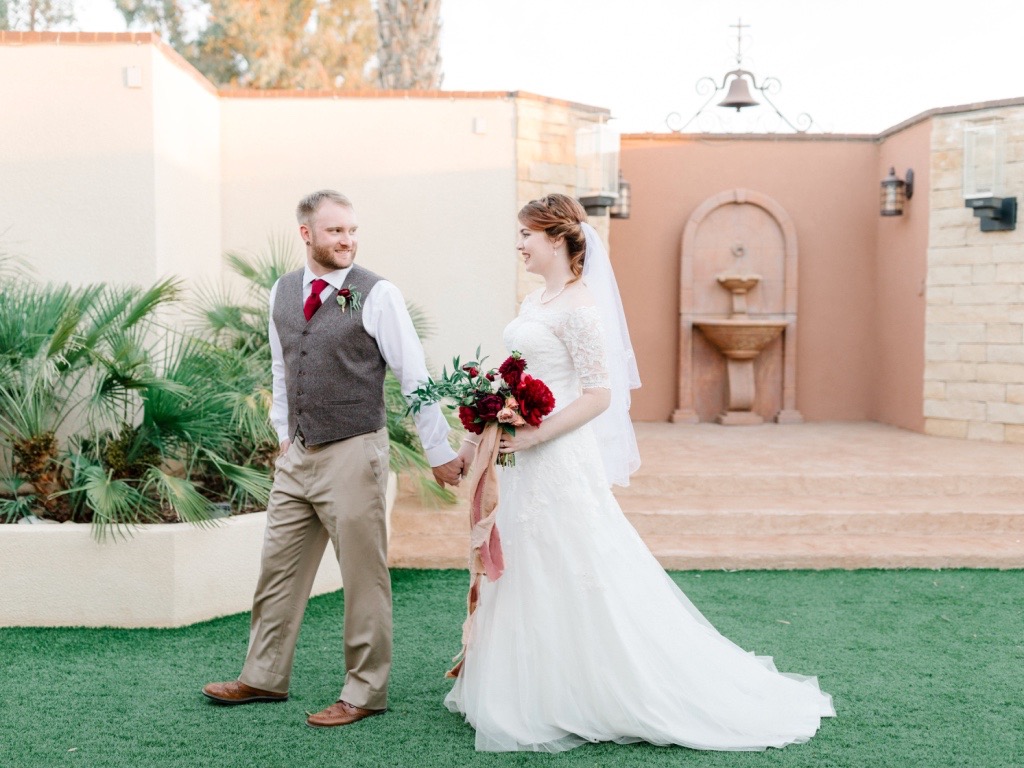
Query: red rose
(512, 369)
(535, 400)
(490, 376)
(471, 371)
(488, 406)
(345, 293)
(467, 416)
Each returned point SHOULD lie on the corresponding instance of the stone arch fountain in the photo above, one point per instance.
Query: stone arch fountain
(738, 312)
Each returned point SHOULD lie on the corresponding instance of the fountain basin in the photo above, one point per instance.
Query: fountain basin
(734, 283)
(741, 338)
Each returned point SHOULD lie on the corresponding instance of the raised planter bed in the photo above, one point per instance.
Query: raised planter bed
(160, 576)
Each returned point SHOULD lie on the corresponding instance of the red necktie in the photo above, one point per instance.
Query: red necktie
(313, 302)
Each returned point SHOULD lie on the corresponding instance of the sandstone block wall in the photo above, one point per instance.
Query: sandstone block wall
(974, 355)
(546, 162)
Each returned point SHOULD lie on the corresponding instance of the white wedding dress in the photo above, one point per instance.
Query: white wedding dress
(585, 638)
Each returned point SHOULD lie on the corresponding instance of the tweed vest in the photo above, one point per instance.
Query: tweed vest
(333, 369)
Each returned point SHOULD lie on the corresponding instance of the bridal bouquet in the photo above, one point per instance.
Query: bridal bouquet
(489, 403)
(507, 396)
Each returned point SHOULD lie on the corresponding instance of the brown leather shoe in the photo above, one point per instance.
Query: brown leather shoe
(341, 713)
(237, 692)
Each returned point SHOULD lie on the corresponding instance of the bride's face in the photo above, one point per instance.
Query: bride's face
(536, 248)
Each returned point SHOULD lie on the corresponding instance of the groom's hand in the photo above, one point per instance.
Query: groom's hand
(450, 473)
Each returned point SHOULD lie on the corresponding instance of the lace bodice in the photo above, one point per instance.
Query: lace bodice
(564, 348)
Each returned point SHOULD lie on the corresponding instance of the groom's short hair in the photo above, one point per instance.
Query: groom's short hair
(308, 205)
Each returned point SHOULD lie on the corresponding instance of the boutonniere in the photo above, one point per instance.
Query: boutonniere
(348, 297)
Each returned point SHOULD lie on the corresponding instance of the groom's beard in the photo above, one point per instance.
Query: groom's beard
(330, 258)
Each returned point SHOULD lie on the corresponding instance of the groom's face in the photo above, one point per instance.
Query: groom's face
(332, 237)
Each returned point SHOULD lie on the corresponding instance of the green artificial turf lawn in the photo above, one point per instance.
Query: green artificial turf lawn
(926, 668)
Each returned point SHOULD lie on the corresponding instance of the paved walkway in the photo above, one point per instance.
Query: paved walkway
(821, 495)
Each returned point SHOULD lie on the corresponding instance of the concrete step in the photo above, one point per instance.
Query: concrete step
(806, 515)
(768, 551)
(839, 495)
(839, 551)
(881, 484)
(755, 532)
(816, 515)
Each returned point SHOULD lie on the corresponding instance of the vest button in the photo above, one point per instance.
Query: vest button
(303, 353)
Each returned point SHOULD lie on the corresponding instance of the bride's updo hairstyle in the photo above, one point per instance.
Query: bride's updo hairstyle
(560, 216)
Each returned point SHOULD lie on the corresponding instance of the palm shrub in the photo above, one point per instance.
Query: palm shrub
(240, 323)
(109, 417)
(62, 358)
(172, 454)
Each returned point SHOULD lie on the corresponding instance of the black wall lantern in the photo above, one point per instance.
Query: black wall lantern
(895, 192)
(621, 207)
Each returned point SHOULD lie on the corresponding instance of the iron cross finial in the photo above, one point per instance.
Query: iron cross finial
(739, 26)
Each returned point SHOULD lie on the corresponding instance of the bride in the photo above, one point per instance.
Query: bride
(585, 638)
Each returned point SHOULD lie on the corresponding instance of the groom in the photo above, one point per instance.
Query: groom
(334, 329)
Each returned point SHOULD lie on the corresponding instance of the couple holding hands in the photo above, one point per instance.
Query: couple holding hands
(584, 638)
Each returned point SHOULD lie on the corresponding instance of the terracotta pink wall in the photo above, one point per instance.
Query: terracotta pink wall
(901, 269)
(829, 186)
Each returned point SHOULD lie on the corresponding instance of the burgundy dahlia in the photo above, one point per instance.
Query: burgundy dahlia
(512, 370)
(488, 406)
(467, 416)
(535, 400)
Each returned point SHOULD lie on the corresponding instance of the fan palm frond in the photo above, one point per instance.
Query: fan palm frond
(181, 495)
(263, 269)
(420, 321)
(15, 505)
(116, 505)
(250, 481)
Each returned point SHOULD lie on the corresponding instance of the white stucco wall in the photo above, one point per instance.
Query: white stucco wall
(76, 161)
(187, 173)
(436, 200)
(102, 179)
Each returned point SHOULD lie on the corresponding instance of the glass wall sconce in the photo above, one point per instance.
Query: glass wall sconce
(984, 153)
(621, 207)
(597, 167)
(895, 192)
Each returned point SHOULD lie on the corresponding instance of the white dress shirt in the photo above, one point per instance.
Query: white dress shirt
(386, 319)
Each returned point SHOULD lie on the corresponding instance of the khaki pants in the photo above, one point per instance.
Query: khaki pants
(330, 492)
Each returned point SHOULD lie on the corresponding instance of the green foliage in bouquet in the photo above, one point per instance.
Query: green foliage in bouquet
(505, 396)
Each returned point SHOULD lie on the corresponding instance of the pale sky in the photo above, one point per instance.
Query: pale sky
(856, 66)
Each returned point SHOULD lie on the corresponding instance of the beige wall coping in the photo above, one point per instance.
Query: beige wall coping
(953, 110)
(105, 38)
(380, 93)
(683, 138)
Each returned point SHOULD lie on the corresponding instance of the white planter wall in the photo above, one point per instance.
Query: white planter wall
(161, 576)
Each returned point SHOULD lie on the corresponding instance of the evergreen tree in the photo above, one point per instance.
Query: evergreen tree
(410, 43)
(267, 43)
(35, 15)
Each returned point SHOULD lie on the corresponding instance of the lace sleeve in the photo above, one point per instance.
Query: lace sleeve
(585, 341)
